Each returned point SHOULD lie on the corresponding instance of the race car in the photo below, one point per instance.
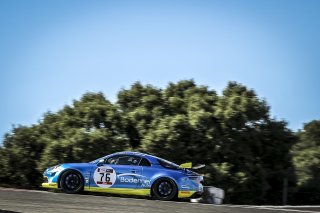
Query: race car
(130, 173)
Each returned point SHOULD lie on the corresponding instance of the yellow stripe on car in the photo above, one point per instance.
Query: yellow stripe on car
(126, 191)
(185, 194)
(50, 185)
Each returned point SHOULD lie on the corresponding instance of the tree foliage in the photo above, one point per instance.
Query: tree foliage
(86, 130)
(246, 151)
(19, 156)
(307, 163)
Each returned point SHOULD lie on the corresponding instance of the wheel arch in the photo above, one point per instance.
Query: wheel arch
(67, 170)
(164, 177)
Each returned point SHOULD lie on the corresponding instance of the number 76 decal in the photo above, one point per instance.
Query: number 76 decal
(104, 176)
(106, 179)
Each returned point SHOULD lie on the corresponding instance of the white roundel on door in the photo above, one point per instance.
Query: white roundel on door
(104, 176)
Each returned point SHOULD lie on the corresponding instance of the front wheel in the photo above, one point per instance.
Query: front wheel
(71, 182)
(164, 189)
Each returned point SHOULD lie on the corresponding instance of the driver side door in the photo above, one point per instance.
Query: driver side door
(118, 171)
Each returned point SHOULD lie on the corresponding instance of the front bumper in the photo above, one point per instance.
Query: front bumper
(50, 185)
(49, 180)
(50, 177)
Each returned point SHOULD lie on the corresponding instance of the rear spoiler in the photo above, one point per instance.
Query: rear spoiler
(189, 166)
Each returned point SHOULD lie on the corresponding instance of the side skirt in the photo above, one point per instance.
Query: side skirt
(125, 191)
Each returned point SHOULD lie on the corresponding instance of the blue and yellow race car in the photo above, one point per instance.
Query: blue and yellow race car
(130, 173)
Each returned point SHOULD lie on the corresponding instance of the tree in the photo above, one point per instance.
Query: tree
(89, 129)
(19, 155)
(247, 153)
(188, 127)
(307, 163)
(140, 105)
(276, 156)
(249, 140)
(86, 130)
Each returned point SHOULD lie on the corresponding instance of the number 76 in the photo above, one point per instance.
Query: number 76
(106, 176)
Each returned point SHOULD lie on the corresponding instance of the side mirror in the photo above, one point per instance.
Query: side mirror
(100, 162)
(186, 165)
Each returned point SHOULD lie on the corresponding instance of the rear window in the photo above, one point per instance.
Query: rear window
(144, 162)
(168, 164)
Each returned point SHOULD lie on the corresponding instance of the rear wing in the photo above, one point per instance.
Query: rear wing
(189, 166)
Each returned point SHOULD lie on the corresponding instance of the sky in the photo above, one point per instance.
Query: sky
(53, 51)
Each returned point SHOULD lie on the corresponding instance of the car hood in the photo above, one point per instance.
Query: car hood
(63, 166)
(76, 164)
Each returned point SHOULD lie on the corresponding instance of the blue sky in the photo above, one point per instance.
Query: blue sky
(53, 51)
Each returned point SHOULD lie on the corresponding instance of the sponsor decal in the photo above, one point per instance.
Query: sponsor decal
(104, 176)
(185, 187)
(106, 183)
(105, 170)
(87, 179)
(141, 180)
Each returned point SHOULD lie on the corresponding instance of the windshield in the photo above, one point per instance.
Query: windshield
(94, 161)
(97, 160)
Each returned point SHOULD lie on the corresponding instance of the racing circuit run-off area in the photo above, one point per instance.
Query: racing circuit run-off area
(20, 200)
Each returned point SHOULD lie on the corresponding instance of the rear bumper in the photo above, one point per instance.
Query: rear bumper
(189, 194)
(185, 194)
(196, 195)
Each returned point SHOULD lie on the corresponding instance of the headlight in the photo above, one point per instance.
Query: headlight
(55, 167)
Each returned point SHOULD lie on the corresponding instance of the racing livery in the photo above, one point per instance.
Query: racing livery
(130, 173)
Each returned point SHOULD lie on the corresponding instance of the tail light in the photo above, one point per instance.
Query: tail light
(200, 180)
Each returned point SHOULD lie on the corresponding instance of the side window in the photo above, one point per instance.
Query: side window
(144, 162)
(128, 160)
(112, 160)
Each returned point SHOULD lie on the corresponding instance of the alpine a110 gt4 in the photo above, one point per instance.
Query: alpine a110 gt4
(129, 173)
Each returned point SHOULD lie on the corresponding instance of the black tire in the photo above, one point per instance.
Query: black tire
(164, 189)
(71, 182)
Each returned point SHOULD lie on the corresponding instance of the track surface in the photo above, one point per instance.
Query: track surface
(15, 200)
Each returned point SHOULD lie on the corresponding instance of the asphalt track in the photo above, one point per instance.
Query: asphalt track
(17, 200)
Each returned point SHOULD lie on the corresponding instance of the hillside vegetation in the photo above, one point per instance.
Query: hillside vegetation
(247, 152)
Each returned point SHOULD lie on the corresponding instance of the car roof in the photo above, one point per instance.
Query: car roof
(153, 159)
(140, 154)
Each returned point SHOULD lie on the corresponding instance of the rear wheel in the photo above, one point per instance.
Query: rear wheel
(164, 189)
(71, 182)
